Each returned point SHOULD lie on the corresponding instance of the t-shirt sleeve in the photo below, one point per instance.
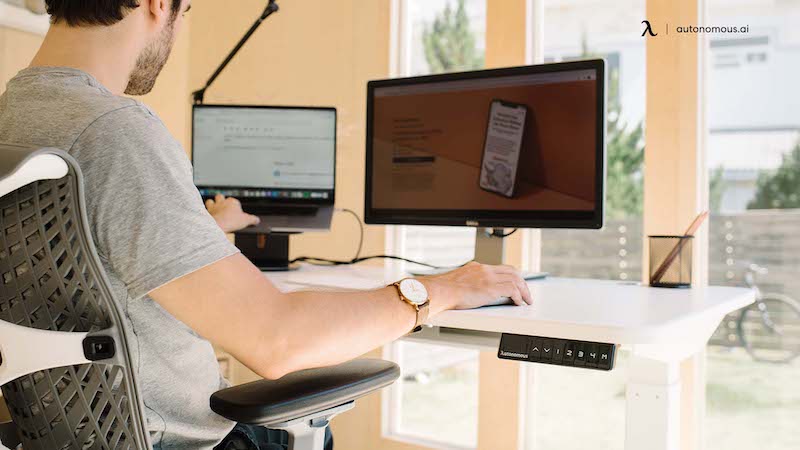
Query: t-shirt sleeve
(147, 218)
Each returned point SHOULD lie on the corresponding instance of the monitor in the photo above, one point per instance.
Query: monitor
(279, 161)
(513, 147)
(266, 154)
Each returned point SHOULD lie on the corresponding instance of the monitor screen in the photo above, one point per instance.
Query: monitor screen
(518, 147)
(281, 154)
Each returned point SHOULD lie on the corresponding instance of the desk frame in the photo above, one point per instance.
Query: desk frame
(653, 387)
(660, 339)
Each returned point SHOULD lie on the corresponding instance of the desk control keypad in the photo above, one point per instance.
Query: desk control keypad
(561, 352)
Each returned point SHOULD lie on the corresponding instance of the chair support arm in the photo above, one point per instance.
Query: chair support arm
(43, 349)
(304, 393)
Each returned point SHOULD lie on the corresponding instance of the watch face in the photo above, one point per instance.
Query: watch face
(414, 291)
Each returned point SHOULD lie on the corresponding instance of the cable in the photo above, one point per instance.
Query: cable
(360, 227)
(334, 262)
(358, 258)
(500, 235)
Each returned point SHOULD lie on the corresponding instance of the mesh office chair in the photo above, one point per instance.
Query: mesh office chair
(65, 369)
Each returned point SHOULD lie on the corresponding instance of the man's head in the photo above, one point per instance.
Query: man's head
(158, 29)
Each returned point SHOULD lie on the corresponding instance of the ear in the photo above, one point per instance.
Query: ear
(160, 10)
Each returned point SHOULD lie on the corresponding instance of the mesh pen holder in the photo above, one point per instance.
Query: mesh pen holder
(677, 251)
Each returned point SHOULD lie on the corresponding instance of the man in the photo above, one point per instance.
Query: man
(182, 285)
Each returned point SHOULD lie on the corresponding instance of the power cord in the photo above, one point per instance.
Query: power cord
(360, 228)
(495, 233)
(358, 258)
(334, 262)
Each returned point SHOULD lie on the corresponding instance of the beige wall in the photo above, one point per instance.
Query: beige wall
(169, 98)
(16, 50)
(312, 52)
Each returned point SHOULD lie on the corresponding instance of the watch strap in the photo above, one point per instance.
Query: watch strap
(422, 310)
(422, 315)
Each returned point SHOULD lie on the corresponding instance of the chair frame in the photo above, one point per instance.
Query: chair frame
(41, 190)
(46, 349)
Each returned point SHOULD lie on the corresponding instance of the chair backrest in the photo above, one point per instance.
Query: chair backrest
(51, 279)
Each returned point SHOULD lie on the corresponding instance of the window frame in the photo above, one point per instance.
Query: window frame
(676, 183)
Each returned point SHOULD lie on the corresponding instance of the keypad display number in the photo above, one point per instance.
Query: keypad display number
(562, 352)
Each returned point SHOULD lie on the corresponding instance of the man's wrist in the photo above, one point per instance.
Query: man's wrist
(440, 296)
(220, 223)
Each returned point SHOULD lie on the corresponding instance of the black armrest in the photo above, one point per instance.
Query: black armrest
(8, 435)
(304, 392)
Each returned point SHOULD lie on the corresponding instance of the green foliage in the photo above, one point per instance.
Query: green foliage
(449, 43)
(625, 180)
(716, 187)
(625, 159)
(780, 188)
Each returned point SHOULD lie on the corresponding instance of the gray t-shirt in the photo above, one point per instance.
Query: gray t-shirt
(149, 225)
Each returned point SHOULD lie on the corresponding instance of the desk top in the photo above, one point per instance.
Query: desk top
(592, 310)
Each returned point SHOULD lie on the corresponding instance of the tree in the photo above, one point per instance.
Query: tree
(449, 43)
(779, 188)
(624, 153)
(716, 188)
(625, 159)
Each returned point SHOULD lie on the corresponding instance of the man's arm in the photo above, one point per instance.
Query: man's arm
(233, 305)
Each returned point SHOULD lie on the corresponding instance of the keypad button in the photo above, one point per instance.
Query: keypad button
(558, 351)
(547, 349)
(536, 349)
(569, 352)
(580, 354)
(591, 355)
(605, 356)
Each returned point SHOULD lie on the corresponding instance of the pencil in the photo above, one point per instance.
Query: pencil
(693, 227)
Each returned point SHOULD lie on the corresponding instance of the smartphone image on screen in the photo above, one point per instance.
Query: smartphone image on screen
(502, 147)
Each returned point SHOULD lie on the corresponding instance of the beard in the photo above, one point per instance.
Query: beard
(150, 62)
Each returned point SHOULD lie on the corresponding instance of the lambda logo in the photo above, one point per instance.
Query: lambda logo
(648, 28)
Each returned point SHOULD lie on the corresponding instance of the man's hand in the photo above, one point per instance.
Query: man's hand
(475, 285)
(229, 215)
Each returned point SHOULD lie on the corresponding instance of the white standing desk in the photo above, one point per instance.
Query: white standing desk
(661, 326)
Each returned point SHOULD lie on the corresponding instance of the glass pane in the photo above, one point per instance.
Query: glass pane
(439, 394)
(568, 396)
(754, 163)
(579, 29)
(436, 400)
(443, 36)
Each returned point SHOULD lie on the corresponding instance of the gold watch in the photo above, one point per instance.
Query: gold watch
(414, 293)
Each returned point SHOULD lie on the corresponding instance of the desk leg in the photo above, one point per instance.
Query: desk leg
(652, 405)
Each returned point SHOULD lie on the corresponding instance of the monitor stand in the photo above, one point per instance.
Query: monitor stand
(488, 249)
(269, 252)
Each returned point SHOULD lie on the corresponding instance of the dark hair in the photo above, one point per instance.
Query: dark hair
(94, 12)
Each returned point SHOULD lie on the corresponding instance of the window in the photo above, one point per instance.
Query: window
(753, 397)
(436, 400)
(588, 29)
(579, 29)
(441, 36)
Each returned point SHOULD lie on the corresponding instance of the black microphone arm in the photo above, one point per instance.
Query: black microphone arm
(199, 94)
